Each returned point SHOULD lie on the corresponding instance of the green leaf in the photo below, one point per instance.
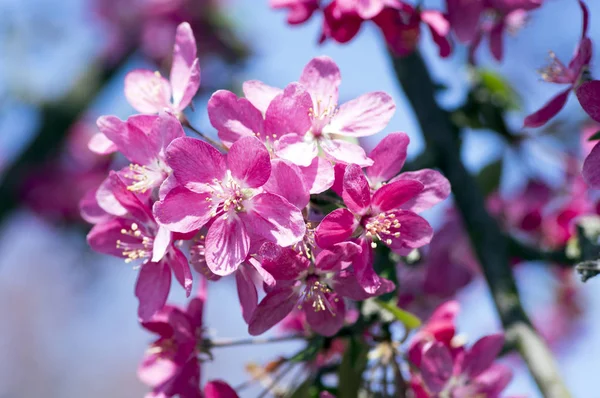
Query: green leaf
(305, 390)
(409, 320)
(497, 89)
(595, 137)
(351, 369)
(490, 176)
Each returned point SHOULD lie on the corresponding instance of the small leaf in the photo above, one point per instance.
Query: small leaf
(490, 176)
(351, 369)
(409, 320)
(498, 89)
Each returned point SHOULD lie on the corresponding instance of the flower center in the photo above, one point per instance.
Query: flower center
(228, 196)
(316, 293)
(321, 116)
(556, 71)
(382, 227)
(147, 176)
(135, 244)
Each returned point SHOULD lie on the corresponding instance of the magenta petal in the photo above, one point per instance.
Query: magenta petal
(363, 267)
(496, 41)
(339, 169)
(287, 181)
(292, 147)
(262, 273)
(464, 18)
(184, 211)
(436, 189)
(133, 142)
(227, 244)
(233, 117)
(152, 288)
(321, 77)
(591, 167)
(166, 128)
(272, 309)
(274, 218)
(249, 162)
(126, 198)
(219, 389)
(482, 354)
(357, 193)
(289, 112)
(319, 175)
(247, 293)
(336, 227)
(549, 110)
(195, 163)
(414, 230)
(103, 237)
(184, 56)
(346, 284)
(345, 152)
(193, 84)
(259, 94)
(392, 196)
(90, 210)
(588, 95)
(101, 145)
(363, 116)
(493, 381)
(181, 269)
(283, 263)
(339, 257)
(147, 91)
(440, 30)
(436, 366)
(388, 157)
(327, 321)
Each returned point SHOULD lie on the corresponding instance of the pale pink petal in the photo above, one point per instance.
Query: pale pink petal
(107, 201)
(436, 189)
(319, 176)
(588, 95)
(283, 263)
(436, 366)
(274, 218)
(440, 30)
(276, 305)
(482, 354)
(247, 293)
(101, 145)
(156, 369)
(259, 94)
(184, 56)
(152, 288)
(591, 167)
(327, 321)
(265, 275)
(287, 181)
(549, 110)
(166, 128)
(167, 185)
(162, 240)
(357, 193)
(195, 163)
(289, 112)
(392, 196)
(183, 210)
(233, 117)
(147, 91)
(321, 77)
(181, 268)
(219, 389)
(191, 89)
(363, 116)
(336, 227)
(388, 158)
(345, 152)
(249, 162)
(227, 244)
(90, 210)
(294, 148)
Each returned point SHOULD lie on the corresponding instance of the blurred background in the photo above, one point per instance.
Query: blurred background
(69, 325)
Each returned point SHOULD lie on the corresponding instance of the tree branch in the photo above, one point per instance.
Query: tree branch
(490, 244)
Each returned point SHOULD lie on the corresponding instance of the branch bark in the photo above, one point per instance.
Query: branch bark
(490, 244)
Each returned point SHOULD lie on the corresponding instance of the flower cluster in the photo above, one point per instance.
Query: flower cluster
(287, 198)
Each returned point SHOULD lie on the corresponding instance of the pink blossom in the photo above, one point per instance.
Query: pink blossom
(317, 289)
(227, 193)
(133, 234)
(149, 92)
(143, 140)
(571, 74)
(300, 11)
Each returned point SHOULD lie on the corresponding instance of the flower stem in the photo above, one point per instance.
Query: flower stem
(490, 244)
(252, 341)
(217, 144)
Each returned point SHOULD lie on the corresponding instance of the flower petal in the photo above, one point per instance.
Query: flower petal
(90, 210)
(440, 30)
(483, 353)
(147, 92)
(283, 263)
(388, 158)
(195, 163)
(591, 167)
(357, 193)
(287, 181)
(100, 144)
(132, 141)
(183, 210)
(294, 148)
(219, 389)
(436, 366)
(321, 77)
(276, 305)
(259, 94)
(414, 230)
(363, 116)
(289, 112)
(550, 109)
(182, 67)
(152, 288)
(339, 257)
(166, 128)
(464, 18)
(588, 95)
(274, 218)
(392, 196)
(247, 293)
(233, 117)
(436, 189)
(363, 268)
(336, 227)
(345, 152)
(103, 237)
(319, 175)
(161, 244)
(329, 320)
(181, 268)
(227, 244)
(249, 162)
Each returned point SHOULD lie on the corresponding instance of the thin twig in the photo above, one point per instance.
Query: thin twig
(251, 341)
(214, 143)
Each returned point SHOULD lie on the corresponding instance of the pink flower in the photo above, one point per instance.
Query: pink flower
(149, 92)
(230, 193)
(383, 212)
(143, 140)
(571, 74)
(317, 289)
(133, 234)
(300, 11)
